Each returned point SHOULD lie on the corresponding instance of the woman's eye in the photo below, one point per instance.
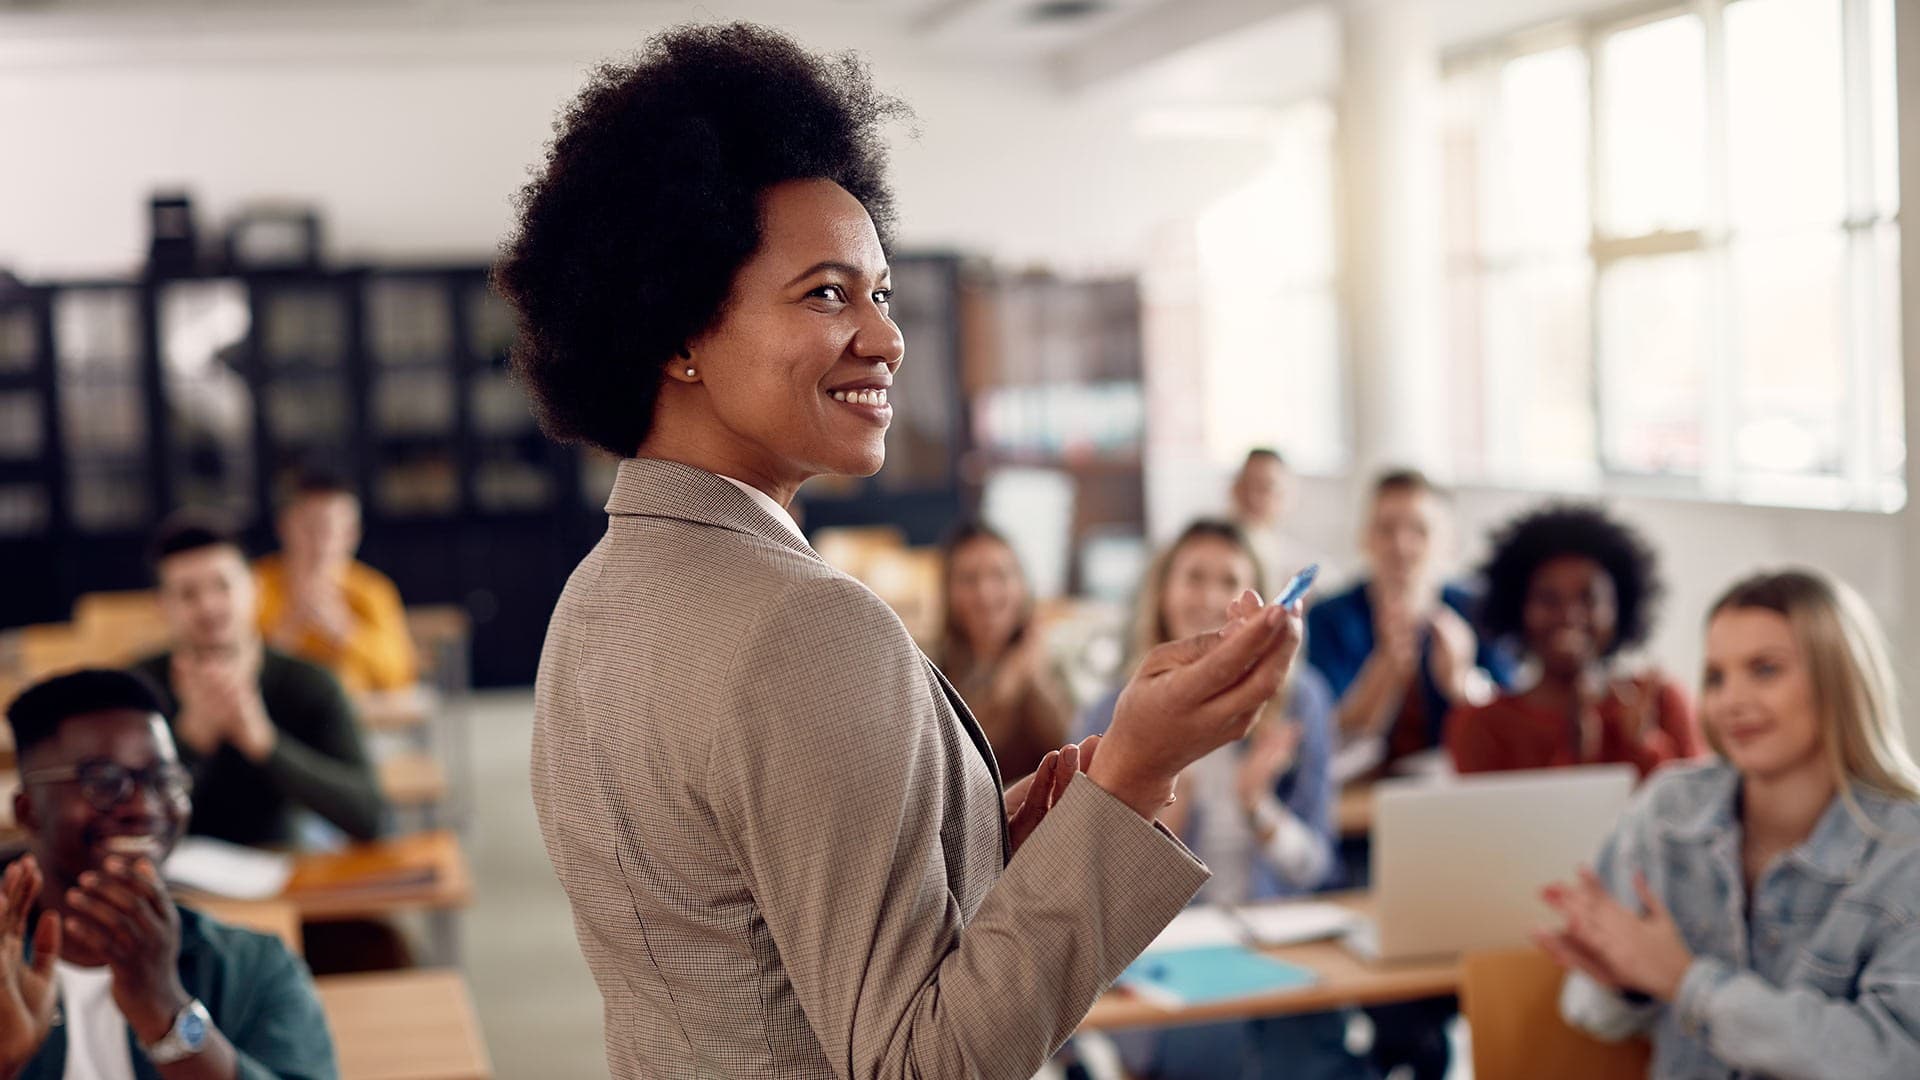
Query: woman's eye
(831, 292)
(883, 297)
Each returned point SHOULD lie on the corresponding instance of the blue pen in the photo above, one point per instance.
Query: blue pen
(1297, 587)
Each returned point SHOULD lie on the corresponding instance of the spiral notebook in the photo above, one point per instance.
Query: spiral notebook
(1203, 974)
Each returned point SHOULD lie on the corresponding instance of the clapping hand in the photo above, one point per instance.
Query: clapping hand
(1618, 948)
(27, 990)
(1269, 755)
(122, 912)
(1029, 799)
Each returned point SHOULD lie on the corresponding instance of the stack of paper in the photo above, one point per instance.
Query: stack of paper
(223, 869)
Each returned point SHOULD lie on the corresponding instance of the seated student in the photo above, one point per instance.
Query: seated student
(121, 981)
(1760, 914)
(319, 604)
(265, 734)
(1262, 496)
(996, 658)
(1396, 648)
(1258, 813)
(1575, 588)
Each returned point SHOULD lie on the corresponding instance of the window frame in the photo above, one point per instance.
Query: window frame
(1864, 481)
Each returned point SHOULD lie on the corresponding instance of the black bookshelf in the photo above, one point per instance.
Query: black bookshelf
(149, 394)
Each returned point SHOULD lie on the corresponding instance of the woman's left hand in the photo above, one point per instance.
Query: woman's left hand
(1615, 946)
(1030, 797)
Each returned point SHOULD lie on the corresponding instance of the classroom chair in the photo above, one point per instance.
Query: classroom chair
(1511, 1000)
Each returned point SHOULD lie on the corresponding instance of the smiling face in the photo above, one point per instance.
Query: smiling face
(75, 822)
(1204, 575)
(1757, 699)
(791, 381)
(1571, 614)
(987, 594)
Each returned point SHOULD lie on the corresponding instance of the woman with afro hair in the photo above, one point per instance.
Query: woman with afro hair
(1573, 588)
(785, 841)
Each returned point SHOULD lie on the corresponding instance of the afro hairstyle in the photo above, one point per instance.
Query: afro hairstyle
(1523, 545)
(628, 241)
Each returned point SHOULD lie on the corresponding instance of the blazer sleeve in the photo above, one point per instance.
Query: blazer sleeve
(825, 777)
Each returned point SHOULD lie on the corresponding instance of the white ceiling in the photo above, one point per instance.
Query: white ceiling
(1184, 51)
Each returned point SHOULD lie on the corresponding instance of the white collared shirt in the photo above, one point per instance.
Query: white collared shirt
(766, 503)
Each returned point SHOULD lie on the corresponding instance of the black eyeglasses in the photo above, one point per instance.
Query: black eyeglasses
(107, 784)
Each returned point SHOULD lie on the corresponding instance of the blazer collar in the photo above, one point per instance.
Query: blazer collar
(652, 487)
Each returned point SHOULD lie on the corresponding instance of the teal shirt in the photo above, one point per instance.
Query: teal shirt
(259, 995)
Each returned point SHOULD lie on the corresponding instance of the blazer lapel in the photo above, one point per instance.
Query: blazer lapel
(651, 487)
(980, 743)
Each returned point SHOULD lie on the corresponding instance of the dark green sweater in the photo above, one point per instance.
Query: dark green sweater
(259, 996)
(318, 762)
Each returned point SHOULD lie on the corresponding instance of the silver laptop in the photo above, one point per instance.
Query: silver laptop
(1458, 863)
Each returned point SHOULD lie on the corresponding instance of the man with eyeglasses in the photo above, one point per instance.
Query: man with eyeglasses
(266, 735)
(120, 982)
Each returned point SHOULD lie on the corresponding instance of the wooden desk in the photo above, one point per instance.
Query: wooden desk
(1345, 980)
(422, 872)
(404, 1025)
(266, 916)
(1354, 813)
(412, 780)
(396, 710)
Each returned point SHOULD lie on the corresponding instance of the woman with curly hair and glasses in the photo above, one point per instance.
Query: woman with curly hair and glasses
(1573, 588)
(784, 839)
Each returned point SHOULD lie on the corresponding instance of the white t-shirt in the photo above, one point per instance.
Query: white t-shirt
(96, 1032)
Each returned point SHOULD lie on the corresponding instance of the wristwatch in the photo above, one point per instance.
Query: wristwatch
(188, 1037)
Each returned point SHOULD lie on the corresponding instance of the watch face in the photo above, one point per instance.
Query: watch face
(193, 1031)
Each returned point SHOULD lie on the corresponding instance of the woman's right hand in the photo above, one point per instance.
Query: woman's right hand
(1190, 697)
(27, 990)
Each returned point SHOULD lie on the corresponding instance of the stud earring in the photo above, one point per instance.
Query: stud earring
(689, 373)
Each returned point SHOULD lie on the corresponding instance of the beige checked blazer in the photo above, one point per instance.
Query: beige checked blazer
(781, 832)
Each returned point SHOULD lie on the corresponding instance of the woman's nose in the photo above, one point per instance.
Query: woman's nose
(879, 339)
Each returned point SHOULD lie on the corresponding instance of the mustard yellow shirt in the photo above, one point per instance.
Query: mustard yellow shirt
(377, 655)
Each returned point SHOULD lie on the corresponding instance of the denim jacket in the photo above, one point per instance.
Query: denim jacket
(1821, 980)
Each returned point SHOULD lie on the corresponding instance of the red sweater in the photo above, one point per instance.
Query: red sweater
(1643, 722)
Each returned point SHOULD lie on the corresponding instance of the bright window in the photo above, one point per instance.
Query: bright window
(1672, 256)
(1268, 307)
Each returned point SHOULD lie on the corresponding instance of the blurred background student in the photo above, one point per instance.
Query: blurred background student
(319, 603)
(996, 655)
(1397, 648)
(1573, 588)
(1258, 813)
(1263, 498)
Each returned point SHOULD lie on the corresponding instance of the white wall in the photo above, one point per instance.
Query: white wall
(411, 132)
(1703, 547)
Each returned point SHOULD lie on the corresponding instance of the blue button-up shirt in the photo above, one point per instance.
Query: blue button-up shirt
(1819, 976)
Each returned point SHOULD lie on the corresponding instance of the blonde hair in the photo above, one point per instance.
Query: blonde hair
(1150, 628)
(1854, 691)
